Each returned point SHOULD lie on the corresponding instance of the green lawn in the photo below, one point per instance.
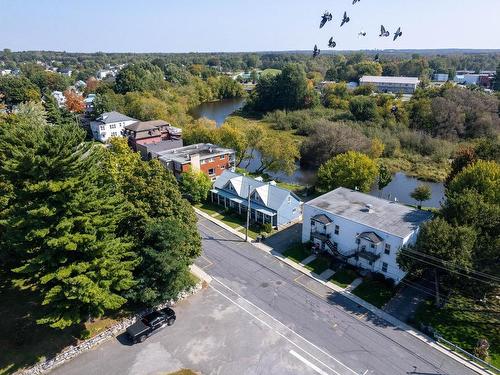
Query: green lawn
(318, 265)
(463, 321)
(344, 277)
(378, 293)
(297, 252)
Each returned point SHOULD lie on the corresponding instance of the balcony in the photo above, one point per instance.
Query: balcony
(320, 236)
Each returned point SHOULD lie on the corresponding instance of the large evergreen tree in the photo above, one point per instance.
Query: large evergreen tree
(153, 195)
(60, 223)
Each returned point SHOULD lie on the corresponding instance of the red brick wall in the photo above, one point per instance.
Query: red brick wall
(216, 165)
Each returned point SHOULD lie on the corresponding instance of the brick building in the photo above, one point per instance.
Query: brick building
(206, 157)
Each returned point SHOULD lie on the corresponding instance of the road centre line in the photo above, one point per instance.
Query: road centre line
(276, 331)
(286, 327)
(307, 363)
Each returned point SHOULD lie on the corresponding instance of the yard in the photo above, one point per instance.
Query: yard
(344, 277)
(298, 252)
(231, 219)
(376, 292)
(319, 265)
(463, 321)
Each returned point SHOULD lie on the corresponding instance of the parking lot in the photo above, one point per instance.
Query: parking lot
(212, 335)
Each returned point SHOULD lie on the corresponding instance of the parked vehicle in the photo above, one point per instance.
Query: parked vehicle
(150, 323)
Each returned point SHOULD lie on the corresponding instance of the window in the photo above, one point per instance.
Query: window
(337, 229)
(358, 241)
(289, 199)
(203, 161)
(313, 223)
(211, 171)
(372, 246)
(294, 210)
(384, 267)
(222, 157)
(211, 160)
(387, 249)
(112, 126)
(222, 167)
(102, 127)
(114, 134)
(335, 245)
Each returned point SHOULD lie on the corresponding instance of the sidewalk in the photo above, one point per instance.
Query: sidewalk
(376, 311)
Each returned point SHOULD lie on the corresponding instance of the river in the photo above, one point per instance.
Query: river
(400, 187)
(219, 110)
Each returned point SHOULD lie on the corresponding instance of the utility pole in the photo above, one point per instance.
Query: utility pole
(248, 212)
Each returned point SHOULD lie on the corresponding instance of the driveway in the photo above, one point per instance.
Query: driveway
(283, 239)
(212, 335)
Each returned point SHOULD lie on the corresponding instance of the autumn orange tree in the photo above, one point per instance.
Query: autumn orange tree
(74, 101)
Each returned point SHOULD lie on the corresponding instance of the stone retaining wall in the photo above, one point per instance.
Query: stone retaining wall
(73, 351)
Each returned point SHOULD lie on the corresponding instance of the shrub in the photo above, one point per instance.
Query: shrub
(267, 227)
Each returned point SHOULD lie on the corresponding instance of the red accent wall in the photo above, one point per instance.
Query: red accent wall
(216, 165)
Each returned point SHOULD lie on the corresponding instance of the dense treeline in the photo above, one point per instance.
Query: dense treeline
(392, 62)
(88, 228)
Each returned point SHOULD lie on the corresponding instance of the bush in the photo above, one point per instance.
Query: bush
(267, 227)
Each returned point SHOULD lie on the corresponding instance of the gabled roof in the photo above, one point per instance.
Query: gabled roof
(377, 213)
(113, 116)
(371, 236)
(142, 126)
(272, 196)
(322, 219)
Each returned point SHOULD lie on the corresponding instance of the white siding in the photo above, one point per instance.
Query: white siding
(103, 132)
(346, 241)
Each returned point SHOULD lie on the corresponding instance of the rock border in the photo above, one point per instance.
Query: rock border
(75, 350)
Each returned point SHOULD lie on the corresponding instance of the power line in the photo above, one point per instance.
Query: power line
(448, 269)
(479, 273)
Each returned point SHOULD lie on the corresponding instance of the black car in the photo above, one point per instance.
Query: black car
(150, 323)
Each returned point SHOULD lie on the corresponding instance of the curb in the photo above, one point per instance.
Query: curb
(75, 350)
(222, 224)
(374, 310)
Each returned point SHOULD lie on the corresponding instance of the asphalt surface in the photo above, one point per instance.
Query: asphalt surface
(260, 316)
(347, 338)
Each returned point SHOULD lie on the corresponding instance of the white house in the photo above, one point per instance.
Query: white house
(109, 124)
(89, 102)
(395, 85)
(363, 230)
(60, 98)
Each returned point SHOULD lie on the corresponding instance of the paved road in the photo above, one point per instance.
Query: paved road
(335, 334)
(260, 316)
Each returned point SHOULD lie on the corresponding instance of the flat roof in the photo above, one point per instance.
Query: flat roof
(183, 154)
(387, 79)
(387, 216)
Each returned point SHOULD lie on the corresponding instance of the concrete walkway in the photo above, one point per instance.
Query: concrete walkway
(376, 311)
(308, 260)
(354, 284)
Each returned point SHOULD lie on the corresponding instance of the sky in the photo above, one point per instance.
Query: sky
(243, 25)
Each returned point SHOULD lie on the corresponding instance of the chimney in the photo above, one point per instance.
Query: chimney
(369, 208)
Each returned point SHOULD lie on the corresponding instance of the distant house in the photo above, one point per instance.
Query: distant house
(206, 157)
(5, 72)
(268, 202)
(60, 98)
(104, 73)
(362, 230)
(395, 85)
(109, 124)
(89, 103)
(65, 71)
(440, 77)
(147, 132)
(467, 79)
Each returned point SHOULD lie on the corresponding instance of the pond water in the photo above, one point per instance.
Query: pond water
(400, 187)
(218, 110)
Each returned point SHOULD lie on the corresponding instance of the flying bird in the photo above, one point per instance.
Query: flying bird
(327, 16)
(316, 51)
(361, 33)
(383, 31)
(397, 34)
(355, 1)
(345, 19)
(331, 43)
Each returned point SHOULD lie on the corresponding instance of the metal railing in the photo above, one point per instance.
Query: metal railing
(472, 357)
